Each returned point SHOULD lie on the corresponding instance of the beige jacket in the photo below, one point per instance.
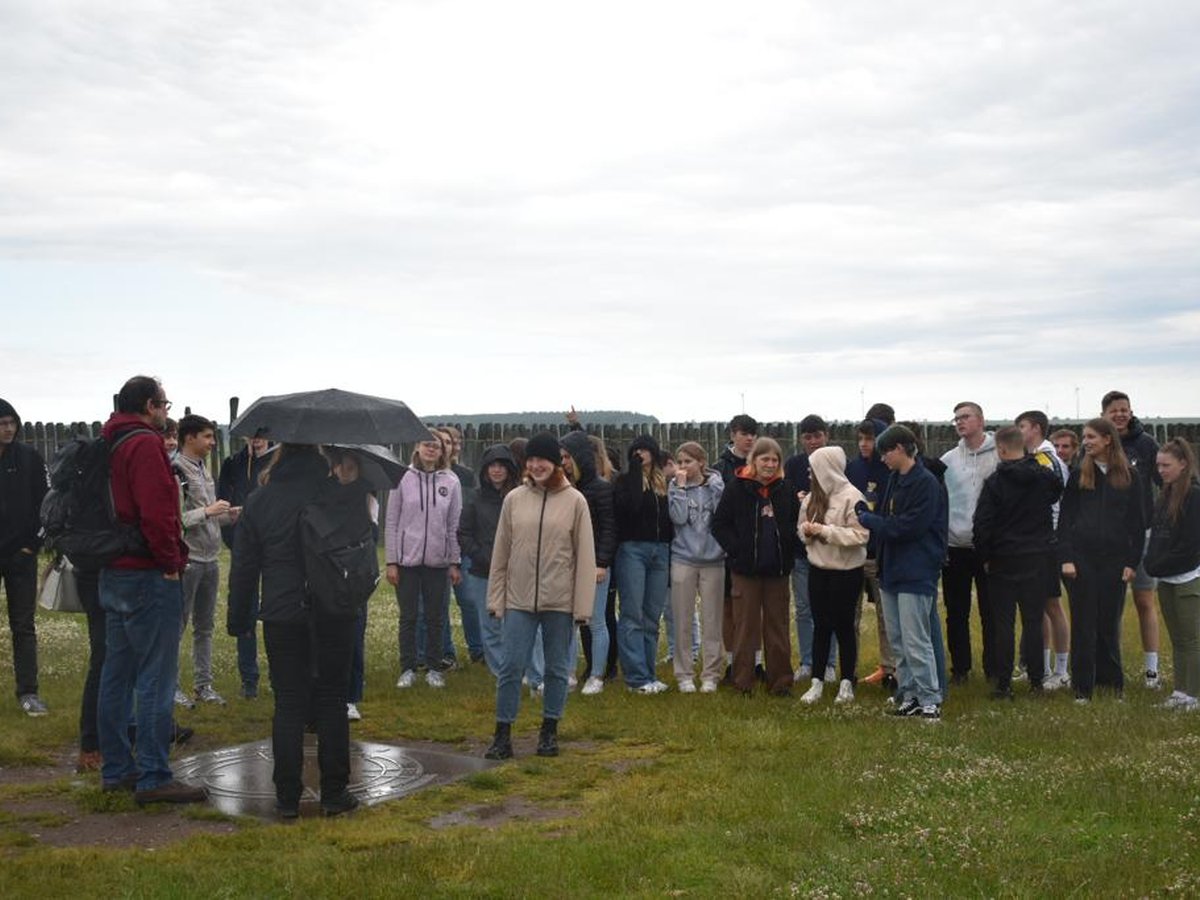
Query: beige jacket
(544, 558)
(842, 543)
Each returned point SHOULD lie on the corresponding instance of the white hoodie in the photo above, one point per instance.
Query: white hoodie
(966, 470)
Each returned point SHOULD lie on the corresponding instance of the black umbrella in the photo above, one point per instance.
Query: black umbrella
(376, 465)
(330, 417)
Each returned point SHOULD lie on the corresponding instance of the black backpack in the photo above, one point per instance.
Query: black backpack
(79, 520)
(341, 568)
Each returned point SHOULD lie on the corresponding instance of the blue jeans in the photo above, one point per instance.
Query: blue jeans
(520, 629)
(469, 600)
(535, 672)
(358, 668)
(907, 617)
(599, 629)
(142, 615)
(490, 630)
(247, 654)
(939, 649)
(804, 618)
(642, 588)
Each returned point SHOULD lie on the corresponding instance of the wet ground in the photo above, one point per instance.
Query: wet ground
(239, 778)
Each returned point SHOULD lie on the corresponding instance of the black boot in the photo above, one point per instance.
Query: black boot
(548, 738)
(501, 743)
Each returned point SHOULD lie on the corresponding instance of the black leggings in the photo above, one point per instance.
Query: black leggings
(833, 596)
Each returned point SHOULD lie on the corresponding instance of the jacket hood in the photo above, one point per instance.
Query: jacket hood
(1024, 471)
(828, 466)
(1135, 428)
(644, 442)
(988, 445)
(745, 474)
(497, 453)
(879, 425)
(119, 422)
(300, 465)
(6, 409)
(577, 444)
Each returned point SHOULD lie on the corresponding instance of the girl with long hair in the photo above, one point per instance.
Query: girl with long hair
(1173, 557)
(697, 567)
(837, 552)
(755, 523)
(644, 531)
(421, 541)
(1101, 533)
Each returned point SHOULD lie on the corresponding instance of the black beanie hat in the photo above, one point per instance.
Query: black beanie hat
(544, 445)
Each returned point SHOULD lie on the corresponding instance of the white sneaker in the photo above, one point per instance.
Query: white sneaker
(536, 690)
(407, 679)
(1190, 704)
(1153, 682)
(572, 682)
(845, 692)
(182, 699)
(352, 712)
(708, 686)
(804, 673)
(435, 679)
(813, 694)
(592, 686)
(687, 686)
(1056, 682)
(830, 675)
(206, 694)
(651, 687)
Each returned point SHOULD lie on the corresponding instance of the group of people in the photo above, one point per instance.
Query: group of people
(553, 546)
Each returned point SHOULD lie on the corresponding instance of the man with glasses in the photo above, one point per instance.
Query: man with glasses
(967, 466)
(22, 487)
(142, 598)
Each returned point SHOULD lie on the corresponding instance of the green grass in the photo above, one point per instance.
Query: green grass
(669, 796)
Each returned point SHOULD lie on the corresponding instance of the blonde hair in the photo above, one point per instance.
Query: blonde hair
(762, 447)
(692, 449)
(603, 463)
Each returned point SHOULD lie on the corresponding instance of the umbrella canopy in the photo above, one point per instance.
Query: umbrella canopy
(330, 417)
(376, 465)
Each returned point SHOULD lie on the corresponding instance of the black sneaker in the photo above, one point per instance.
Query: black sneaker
(287, 808)
(909, 707)
(341, 802)
(172, 792)
(1002, 693)
(889, 683)
(759, 672)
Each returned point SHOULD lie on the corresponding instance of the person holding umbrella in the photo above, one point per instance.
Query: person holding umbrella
(543, 574)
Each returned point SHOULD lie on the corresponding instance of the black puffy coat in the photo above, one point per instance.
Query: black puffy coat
(641, 513)
(599, 496)
(268, 547)
(1175, 546)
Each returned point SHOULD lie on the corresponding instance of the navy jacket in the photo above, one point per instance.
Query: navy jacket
(909, 529)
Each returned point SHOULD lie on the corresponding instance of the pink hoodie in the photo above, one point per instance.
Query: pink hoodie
(422, 519)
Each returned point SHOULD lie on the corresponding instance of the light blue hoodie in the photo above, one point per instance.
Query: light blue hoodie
(691, 510)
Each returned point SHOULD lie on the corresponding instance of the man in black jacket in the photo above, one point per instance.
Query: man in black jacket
(1141, 450)
(1013, 536)
(22, 486)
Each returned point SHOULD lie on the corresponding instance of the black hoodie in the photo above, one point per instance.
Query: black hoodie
(23, 484)
(1014, 515)
(599, 496)
(481, 512)
(1142, 451)
(641, 513)
(1103, 522)
(1175, 546)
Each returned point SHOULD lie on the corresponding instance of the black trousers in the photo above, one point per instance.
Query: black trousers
(88, 585)
(963, 568)
(1097, 603)
(1017, 582)
(19, 573)
(833, 597)
(310, 671)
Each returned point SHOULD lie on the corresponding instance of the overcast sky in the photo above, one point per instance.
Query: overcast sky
(481, 206)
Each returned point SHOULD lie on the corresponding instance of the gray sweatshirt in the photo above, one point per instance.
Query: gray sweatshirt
(691, 509)
(966, 470)
(201, 533)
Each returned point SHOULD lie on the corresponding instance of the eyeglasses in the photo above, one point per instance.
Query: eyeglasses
(164, 403)
(962, 418)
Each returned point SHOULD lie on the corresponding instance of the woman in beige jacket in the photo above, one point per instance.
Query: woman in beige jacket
(543, 573)
(837, 549)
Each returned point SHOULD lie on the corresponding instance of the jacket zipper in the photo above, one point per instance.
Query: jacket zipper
(537, 571)
(425, 536)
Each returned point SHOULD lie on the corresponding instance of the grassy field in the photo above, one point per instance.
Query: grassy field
(675, 795)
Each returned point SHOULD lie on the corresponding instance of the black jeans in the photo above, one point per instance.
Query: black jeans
(1017, 581)
(88, 585)
(833, 598)
(422, 584)
(962, 569)
(1097, 603)
(310, 671)
(19, 572)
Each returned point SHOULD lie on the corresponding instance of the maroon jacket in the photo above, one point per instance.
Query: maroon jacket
(146, 494)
